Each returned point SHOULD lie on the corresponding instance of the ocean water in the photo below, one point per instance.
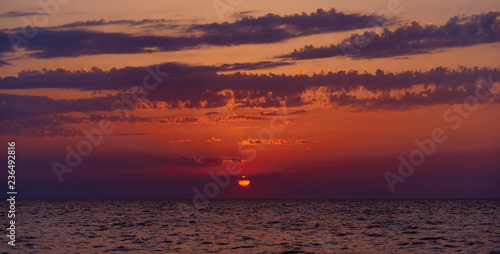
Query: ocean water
(257, 226)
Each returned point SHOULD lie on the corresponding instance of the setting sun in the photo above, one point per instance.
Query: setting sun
(243, 182)
(363, 126)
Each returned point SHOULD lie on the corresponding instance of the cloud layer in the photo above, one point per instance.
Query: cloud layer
(200, 87)
(63, 42)
(411, 38)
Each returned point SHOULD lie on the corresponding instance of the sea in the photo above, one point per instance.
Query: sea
(255, 226)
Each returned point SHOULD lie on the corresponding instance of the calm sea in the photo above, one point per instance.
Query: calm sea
(257, 226)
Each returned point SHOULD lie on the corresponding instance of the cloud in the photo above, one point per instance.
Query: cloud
(187, 81)
(211, 113)
(74, 43)
(272, 142)
(411, 38)
(277, 28)
(14, 107)
(146, 24)
(271, 28)
(158, 23)
(39, 116)
(133, 119)
(195, 162)
(123, 78)
(199, 87)
(132, 134)
(213, 140)
(158, 163)
(14, 14)
(276, 113)
(242, 14)
(39, 126)
(254, 65)
(180, 141)
(236, 117)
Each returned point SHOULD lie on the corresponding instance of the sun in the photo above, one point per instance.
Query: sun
(243, 182)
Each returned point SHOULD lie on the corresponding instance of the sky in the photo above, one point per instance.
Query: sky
(306, 99)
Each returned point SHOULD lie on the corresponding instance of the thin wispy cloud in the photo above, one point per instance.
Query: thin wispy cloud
(14, 14)
(256, 142)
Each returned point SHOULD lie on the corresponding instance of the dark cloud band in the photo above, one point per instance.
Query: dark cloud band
(411, 38)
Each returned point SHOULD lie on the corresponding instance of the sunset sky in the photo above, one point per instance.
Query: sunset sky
(313, 99)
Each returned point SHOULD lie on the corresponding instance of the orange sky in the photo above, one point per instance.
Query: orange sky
(349, 133)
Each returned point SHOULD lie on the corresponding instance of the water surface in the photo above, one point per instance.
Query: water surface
(258, 226)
